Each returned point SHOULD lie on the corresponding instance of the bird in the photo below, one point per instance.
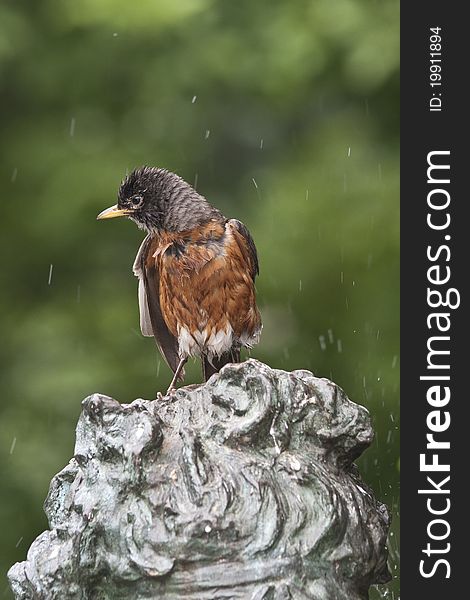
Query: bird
(196, 272)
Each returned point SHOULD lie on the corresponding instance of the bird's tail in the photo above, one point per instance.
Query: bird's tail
(216, 363)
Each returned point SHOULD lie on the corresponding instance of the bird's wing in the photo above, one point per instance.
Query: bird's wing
(145, 322)
(138, 270)
(151, 318)
(246, 244)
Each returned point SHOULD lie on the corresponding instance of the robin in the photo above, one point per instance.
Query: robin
(196, 272)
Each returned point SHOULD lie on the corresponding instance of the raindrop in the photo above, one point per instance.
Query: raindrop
(394, 361)
(306, 195)
(50, 275)
(300, 285)
(339, 345)
(349, 151)
(72, 126)
(369, 261)
(158, 367)
(194, 99)
(254, 182)
(13, 444)
(19, 542)
(295, 464)
(341, 277)
(330, 336)
(115, 34)
(389, 436)
(261, 144)
(208, 132)
(14, 175)
(378, 334)
(347, 303)
(196, 177)
(321, 339)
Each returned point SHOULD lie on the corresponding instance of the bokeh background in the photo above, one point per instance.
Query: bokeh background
(284, 115)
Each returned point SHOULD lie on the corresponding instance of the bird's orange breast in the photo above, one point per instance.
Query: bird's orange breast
(206, 286)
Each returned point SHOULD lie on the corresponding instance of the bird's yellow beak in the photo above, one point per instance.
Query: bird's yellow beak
(113, 211)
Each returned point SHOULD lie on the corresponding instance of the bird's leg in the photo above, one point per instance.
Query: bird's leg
(177, 374)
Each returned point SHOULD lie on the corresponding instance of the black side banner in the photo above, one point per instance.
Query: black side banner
(434, 251)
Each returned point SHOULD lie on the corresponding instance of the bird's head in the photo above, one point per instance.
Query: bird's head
(158, 200)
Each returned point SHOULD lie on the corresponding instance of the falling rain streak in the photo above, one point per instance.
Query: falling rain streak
(50, 275)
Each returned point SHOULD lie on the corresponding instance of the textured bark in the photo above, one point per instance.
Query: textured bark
(243, 487)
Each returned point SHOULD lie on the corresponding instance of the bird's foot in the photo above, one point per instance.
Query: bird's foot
(170, 393)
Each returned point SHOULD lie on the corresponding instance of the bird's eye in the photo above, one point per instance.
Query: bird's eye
(137, 200)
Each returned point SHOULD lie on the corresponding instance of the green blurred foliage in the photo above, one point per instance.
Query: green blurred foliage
(285, 115)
